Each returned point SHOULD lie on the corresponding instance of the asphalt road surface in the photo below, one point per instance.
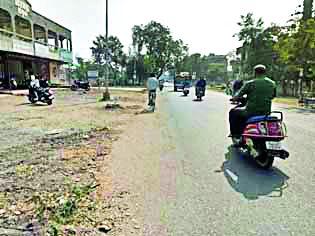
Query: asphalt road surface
(208, 188)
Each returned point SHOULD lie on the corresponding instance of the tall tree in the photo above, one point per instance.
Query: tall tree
(160, 49)
(307, 9)
(296, 49)
(110, 51)
(257, 42)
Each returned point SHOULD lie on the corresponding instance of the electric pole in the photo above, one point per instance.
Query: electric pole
(106, 94)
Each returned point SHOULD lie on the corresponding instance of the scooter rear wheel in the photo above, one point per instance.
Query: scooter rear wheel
(263, 160)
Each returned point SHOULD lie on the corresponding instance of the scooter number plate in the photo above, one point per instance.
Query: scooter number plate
(274, 146)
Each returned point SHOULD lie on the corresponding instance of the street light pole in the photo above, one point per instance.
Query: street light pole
(106, 19)
(106, 95)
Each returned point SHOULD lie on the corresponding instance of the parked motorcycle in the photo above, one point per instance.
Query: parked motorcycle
(13, 83)
(262, 137)
(80, 85)
(44, 95)
(200, 92)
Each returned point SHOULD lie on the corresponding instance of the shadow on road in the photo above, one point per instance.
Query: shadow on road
(23, 104)
(305, 111)
(246, 178)
(33, 105)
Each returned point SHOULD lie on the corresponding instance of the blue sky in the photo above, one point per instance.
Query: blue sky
(205, 25)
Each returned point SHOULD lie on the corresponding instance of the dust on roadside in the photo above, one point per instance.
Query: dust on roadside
(55, 164)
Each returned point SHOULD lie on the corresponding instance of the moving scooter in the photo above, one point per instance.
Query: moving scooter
(262, 137)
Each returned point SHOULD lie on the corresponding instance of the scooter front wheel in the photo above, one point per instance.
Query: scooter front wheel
(32, 100)
(73, 88)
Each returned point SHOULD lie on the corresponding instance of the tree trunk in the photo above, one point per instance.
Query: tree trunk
(284, 88)
(308, 9)
(161, 72)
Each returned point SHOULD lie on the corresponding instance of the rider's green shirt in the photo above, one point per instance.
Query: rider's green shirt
(260, 93)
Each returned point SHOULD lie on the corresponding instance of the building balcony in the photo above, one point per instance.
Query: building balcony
(27, 46)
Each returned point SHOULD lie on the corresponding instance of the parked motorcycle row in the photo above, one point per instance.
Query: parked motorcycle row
(39, 90)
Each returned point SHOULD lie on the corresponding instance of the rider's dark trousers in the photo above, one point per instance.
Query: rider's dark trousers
(149, 101)
(238, 118)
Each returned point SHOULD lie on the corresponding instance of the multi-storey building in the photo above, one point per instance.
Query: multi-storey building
(31, 43)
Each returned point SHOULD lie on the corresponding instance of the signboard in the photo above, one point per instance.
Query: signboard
(93, 74)
(41, 50)
(23, 8)
(23, 47)
(65, 56)
(53, 53)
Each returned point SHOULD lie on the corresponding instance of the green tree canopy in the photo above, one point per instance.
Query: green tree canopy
(158, 46)
(112, 48)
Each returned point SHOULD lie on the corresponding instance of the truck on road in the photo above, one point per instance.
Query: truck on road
(183, 79)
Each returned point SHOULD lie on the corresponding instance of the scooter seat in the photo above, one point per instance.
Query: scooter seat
(256, 119)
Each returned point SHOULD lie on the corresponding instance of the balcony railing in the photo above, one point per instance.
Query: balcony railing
(25, 45)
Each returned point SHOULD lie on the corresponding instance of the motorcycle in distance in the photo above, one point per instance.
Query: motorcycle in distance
(161, 84)
(80, 85)
(186, 91)
(44, 95)
(200, 92)
(152, 98)
(262, 136)
(161, 87)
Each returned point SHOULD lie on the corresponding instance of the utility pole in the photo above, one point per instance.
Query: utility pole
(106, 94)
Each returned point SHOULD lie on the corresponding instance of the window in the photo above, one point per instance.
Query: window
(23, 27)
(5, 20)
(52, 38)
(62, 42)
(40, 34)
(69, 45)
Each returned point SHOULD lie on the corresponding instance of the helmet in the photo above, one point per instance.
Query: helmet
(260, 69)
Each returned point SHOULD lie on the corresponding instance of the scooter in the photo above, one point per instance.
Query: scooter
(44, 95)
(200, 92)
(262, 137)
(80, 85)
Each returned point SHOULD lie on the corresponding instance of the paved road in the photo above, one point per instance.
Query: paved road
(209, 189)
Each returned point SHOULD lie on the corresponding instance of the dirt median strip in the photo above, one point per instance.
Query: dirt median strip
(61, 179)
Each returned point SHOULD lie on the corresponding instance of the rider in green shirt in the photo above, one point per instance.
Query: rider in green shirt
(260, 93)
